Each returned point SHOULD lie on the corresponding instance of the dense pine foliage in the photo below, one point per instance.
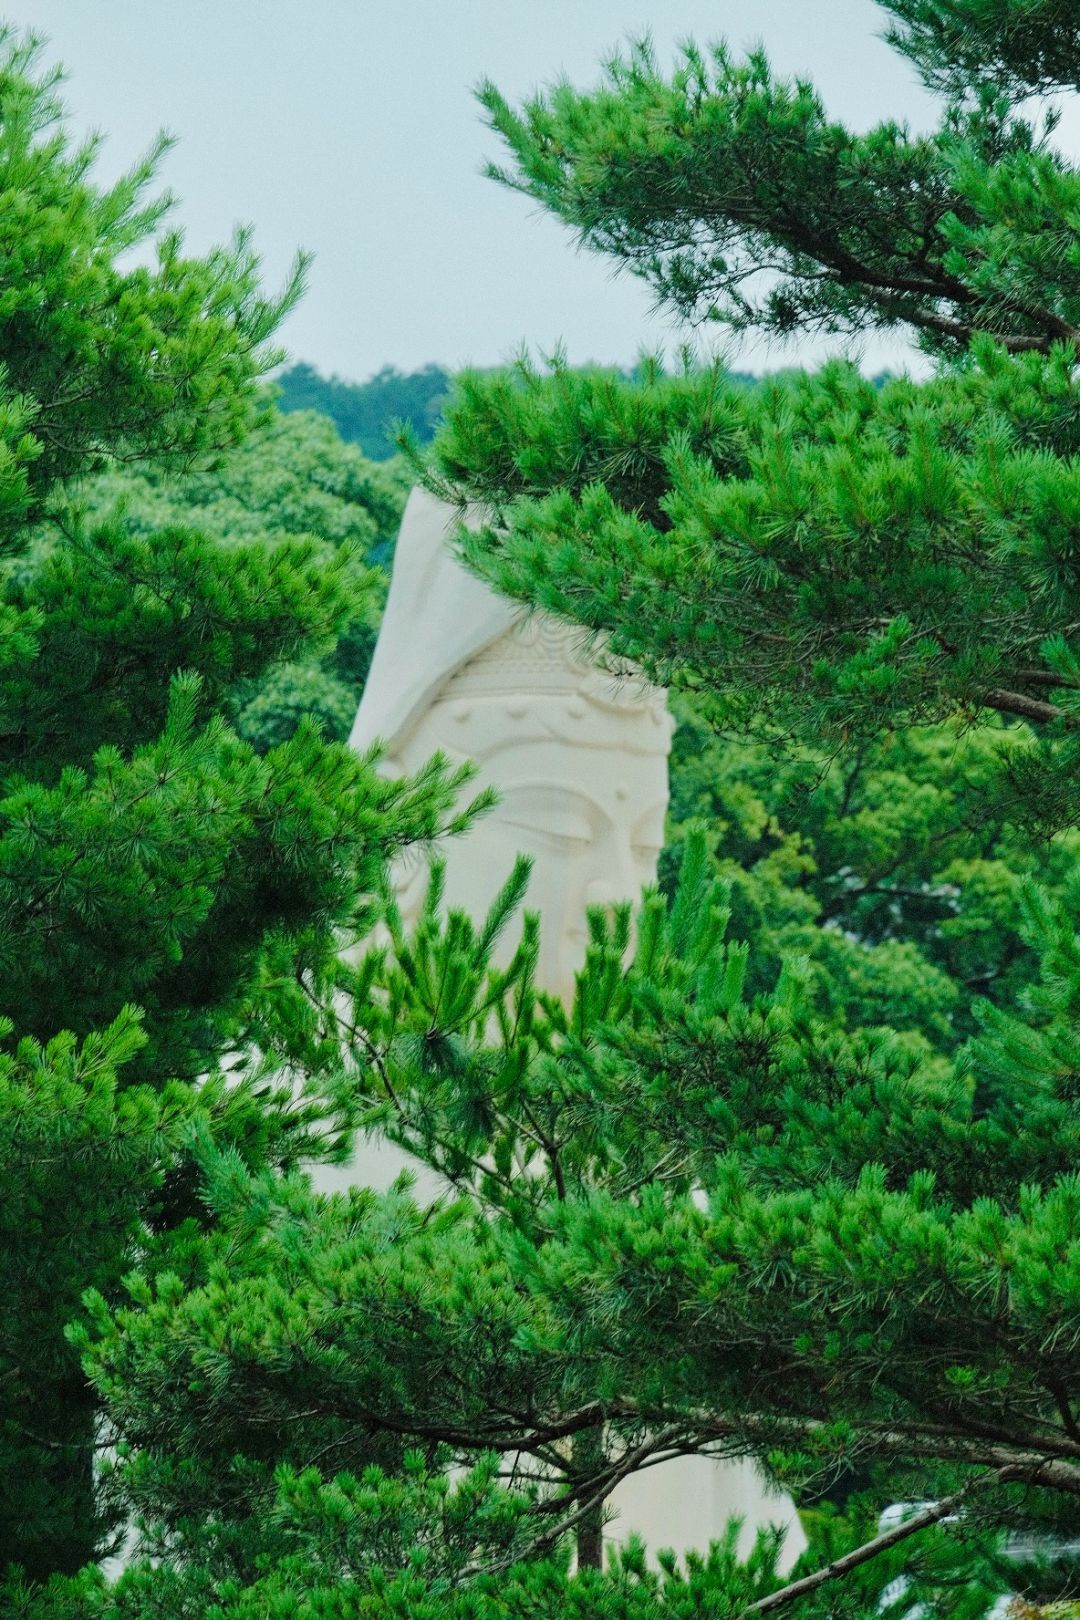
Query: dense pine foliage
(148, 856)
(795, 1177)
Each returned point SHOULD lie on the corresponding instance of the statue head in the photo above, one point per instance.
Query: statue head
(576, 751)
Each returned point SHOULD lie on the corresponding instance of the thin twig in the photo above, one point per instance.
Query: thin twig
(889, 1538)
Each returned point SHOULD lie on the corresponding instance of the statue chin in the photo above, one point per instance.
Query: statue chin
(577, 749)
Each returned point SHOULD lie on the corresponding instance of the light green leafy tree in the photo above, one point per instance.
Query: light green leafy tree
(294, 481)
(369, 413)
(891, 866)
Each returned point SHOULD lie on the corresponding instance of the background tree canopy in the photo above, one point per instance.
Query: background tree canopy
(294, 483)
(368, 413)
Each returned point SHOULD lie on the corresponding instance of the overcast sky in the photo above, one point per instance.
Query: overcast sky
(348, 127)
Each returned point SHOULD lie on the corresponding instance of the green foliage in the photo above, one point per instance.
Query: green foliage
(858, 555)
(84, 1161)
(891, 868)
(717, 1205)
(97, 1166)
(813, 1308)
(369, 413)
(738, 199)
(295, 477)
(861, 556)
(872, 1259)
(309, 1575)
(147, 854)
(294, 501)
(1023, 47)
(100, 361)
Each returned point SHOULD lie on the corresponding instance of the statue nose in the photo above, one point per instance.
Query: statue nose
(616, 879)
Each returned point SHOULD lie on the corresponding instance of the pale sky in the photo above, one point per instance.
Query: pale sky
(348, 127)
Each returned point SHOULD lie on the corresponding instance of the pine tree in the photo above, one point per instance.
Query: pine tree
(859, 554)
(862, 1290)
(692, 1213)
(148, 856)
(826, 558)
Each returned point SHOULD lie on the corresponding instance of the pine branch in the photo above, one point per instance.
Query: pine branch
(931, 1515)
(1026, 708)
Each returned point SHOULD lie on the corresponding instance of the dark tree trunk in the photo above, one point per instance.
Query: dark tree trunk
(588, 1457)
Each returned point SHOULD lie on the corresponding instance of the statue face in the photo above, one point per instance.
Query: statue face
(576, 746)
(582, 790)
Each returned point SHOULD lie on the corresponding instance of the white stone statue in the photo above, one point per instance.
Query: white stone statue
(578, 755)
(579, 758)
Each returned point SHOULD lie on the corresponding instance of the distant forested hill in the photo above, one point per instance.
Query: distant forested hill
(365, 413)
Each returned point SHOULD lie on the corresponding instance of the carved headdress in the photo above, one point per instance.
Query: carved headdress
(447, 635)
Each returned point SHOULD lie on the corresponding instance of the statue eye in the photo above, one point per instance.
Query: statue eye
(647, 854)
(554, 817)
(565, 837)
(570, 842)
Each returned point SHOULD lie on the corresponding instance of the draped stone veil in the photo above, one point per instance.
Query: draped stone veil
(437, 617)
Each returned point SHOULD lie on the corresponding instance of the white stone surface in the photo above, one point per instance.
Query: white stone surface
(579, 757)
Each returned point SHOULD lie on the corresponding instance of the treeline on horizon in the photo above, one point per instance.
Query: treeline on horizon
(369, 413)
